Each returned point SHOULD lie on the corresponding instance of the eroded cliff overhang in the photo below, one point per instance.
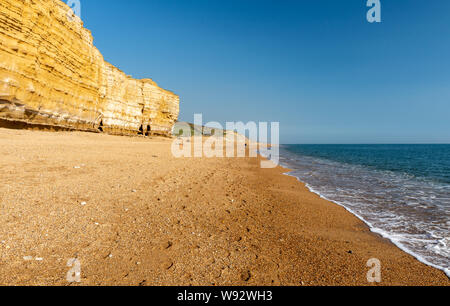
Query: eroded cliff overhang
(52, 75)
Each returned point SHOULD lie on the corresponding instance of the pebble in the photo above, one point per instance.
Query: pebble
(167, 245)
(245, 276)
(83, 203)
(167, 264)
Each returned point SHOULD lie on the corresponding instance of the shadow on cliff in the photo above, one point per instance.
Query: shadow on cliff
(17, 125)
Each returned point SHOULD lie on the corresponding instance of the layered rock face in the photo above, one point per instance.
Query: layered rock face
(52, 75)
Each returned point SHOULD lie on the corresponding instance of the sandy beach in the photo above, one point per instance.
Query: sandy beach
(132, 214)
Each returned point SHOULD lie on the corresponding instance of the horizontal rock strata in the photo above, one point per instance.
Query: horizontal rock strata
(52, 75)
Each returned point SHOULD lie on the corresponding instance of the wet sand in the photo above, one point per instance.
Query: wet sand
(134, 215)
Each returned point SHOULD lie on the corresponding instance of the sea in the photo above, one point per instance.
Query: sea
(402, 192)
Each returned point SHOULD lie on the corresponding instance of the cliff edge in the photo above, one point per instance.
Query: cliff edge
(52, 75)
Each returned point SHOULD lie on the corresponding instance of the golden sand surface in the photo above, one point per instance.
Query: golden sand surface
(132, 214)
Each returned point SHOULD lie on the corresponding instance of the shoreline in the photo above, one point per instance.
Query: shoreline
(379, 232)
(135, 215)
(371, 227)
(287, 172)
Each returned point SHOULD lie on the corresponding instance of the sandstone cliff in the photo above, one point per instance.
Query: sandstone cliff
(52, 75)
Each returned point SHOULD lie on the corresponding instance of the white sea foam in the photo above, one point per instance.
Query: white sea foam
(411, 213)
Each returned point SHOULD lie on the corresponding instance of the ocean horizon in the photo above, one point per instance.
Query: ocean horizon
(401, 191)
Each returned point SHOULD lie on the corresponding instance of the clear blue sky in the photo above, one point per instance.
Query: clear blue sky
(316, 66)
